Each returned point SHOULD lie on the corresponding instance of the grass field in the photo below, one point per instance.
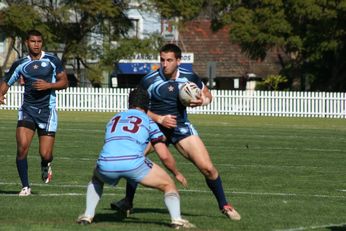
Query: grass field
(281, 174)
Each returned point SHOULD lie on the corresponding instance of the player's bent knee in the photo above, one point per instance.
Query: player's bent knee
(170, 188)
(22, 153)
(210, 172)
(47, 156)
(167, 186)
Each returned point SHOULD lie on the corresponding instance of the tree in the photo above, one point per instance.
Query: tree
(185, 10)
(272, 83)
(311, 34)
(80, 30)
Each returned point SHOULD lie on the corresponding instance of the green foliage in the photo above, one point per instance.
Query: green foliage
(126, 48)
(310, 35)
(81, 30)
(95, 75)
(185, 10)
(272, 83)
(306, 31)
(16, 23)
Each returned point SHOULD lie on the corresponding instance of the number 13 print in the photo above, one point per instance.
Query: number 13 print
(134, 120)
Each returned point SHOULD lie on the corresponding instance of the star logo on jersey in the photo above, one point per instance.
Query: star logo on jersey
(170, 88)
(35, 66)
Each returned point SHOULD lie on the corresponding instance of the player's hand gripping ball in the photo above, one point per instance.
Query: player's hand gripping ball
(187, 92)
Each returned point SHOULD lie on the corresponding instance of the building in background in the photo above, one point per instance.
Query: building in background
(212, 55)
(219, 61)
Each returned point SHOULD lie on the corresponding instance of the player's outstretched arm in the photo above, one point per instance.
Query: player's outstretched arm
(3, 90)
(168, 160)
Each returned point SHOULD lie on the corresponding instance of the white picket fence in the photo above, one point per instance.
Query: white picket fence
(226, 102)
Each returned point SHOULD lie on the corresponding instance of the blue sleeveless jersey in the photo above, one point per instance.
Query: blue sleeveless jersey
(164, 93)
(46, 68)
(126, 137)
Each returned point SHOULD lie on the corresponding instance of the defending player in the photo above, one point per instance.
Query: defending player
(122, 156)
(42, 74)
(171, 116)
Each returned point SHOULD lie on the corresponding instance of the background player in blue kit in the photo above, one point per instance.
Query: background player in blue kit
(42, 74)
(126, 137)
(167, 111)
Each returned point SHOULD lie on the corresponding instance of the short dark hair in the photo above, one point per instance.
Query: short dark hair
(33, 32)
(170, 47)
(139, 97)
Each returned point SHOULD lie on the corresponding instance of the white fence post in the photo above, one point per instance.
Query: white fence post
(227, 102)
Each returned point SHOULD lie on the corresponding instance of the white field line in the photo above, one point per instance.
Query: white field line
(312, 227)
(269, 148)
(56, 157)
(57, 194)
(181, 190)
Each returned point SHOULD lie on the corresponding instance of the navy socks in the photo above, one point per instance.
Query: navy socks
(216, 187)
(22, 167)
(131, 190)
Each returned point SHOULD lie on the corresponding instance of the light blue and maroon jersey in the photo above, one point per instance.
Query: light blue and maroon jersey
(164, 93)
(46, 68)
(126, 137)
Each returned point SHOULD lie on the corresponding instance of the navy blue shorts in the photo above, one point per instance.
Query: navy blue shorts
(183, 130)
(45, 120)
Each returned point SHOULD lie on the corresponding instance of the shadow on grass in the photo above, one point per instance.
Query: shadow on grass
(9, 192)
(116, 216)
(337, 228)
(120, 217)
(153, 210)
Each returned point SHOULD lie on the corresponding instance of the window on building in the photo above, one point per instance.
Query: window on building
(134, 32)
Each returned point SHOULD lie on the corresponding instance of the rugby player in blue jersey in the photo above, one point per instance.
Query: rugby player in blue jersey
(171, 116)
(127, 136)
(42, 74)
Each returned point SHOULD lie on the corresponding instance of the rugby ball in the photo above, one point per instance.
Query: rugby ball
(187, 92)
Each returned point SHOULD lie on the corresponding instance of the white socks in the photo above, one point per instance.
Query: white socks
(172, 201)
(94, 193)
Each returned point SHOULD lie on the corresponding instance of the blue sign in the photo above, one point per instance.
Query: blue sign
(144, 64)
(144, 68)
